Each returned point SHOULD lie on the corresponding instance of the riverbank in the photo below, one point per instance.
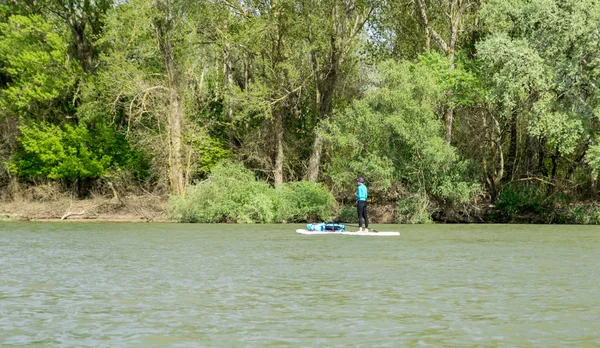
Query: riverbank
(130, 209)
(99, 209)
(154, 208)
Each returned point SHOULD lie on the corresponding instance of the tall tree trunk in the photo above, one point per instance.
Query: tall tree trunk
(86, 21)
(554, 159)
(279, 155)
(512, 150)
(82, 51)
(455, 12)
(163, 27)
(449, 112)
(325, 105)
(542, 156)
(493, 179)
(77, 24)
(529, 154)
(315, 159)
(575, 163)
(230, 106)
(175, 118)
(346, 23)
(317, 147)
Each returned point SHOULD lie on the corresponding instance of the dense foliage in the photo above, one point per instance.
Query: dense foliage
(49, 151)
(232, 193)
(443, 106)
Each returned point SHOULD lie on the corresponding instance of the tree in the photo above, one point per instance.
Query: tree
(71, 153)
(38, 79)
(538, 55)
(275, 77)
(454, 11)
(83, 18)
(40, 73)
(394, 138)
(146, 79)
(330, 50)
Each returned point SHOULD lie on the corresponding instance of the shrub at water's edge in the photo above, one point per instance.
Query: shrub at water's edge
(347, 214)
(304, 201)
(232, 194)
(527, 203)
(413, 210)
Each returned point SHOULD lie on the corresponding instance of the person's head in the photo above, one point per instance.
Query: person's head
(360, 181)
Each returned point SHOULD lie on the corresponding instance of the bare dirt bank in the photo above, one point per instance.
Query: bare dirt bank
(130, 209)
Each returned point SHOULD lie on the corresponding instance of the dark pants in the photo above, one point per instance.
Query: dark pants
(361, 207)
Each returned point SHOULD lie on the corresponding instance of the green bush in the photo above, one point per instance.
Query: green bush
(305, 201)
(586, 215)
(348, 214)
(232, 193)
(523, 199)
(413, 210)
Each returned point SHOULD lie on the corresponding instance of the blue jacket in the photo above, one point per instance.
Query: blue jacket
(361, 193)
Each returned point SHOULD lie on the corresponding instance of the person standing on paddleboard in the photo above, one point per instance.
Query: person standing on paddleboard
(361, 204)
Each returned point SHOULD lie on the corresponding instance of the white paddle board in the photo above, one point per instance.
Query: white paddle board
(370, 233)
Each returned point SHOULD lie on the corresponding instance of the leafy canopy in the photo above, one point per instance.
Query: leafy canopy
(72, 152)
(393, 135)
(34, 54)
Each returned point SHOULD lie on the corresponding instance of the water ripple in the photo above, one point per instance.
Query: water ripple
(122, 285)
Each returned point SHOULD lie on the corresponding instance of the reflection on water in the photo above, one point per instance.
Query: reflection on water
(94, 285)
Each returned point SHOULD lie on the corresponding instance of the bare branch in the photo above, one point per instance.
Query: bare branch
(67, 214)
(430, 30)
(290, 92)
(237, 8)
(145, 93)
(534, 178)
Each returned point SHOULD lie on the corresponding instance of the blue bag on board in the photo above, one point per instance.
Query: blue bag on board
(326, 226)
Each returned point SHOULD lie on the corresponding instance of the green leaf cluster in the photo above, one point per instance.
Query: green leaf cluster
(34, 54)
(523, 199)
(72, 152)
(541, 57)
(232, 193)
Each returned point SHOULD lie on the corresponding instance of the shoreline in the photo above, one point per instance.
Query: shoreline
(96, 209)
(15, 218)
(152, 208)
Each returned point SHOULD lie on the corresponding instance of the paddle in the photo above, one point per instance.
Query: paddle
(359, 227)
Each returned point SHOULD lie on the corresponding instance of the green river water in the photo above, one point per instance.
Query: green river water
(181, 285)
